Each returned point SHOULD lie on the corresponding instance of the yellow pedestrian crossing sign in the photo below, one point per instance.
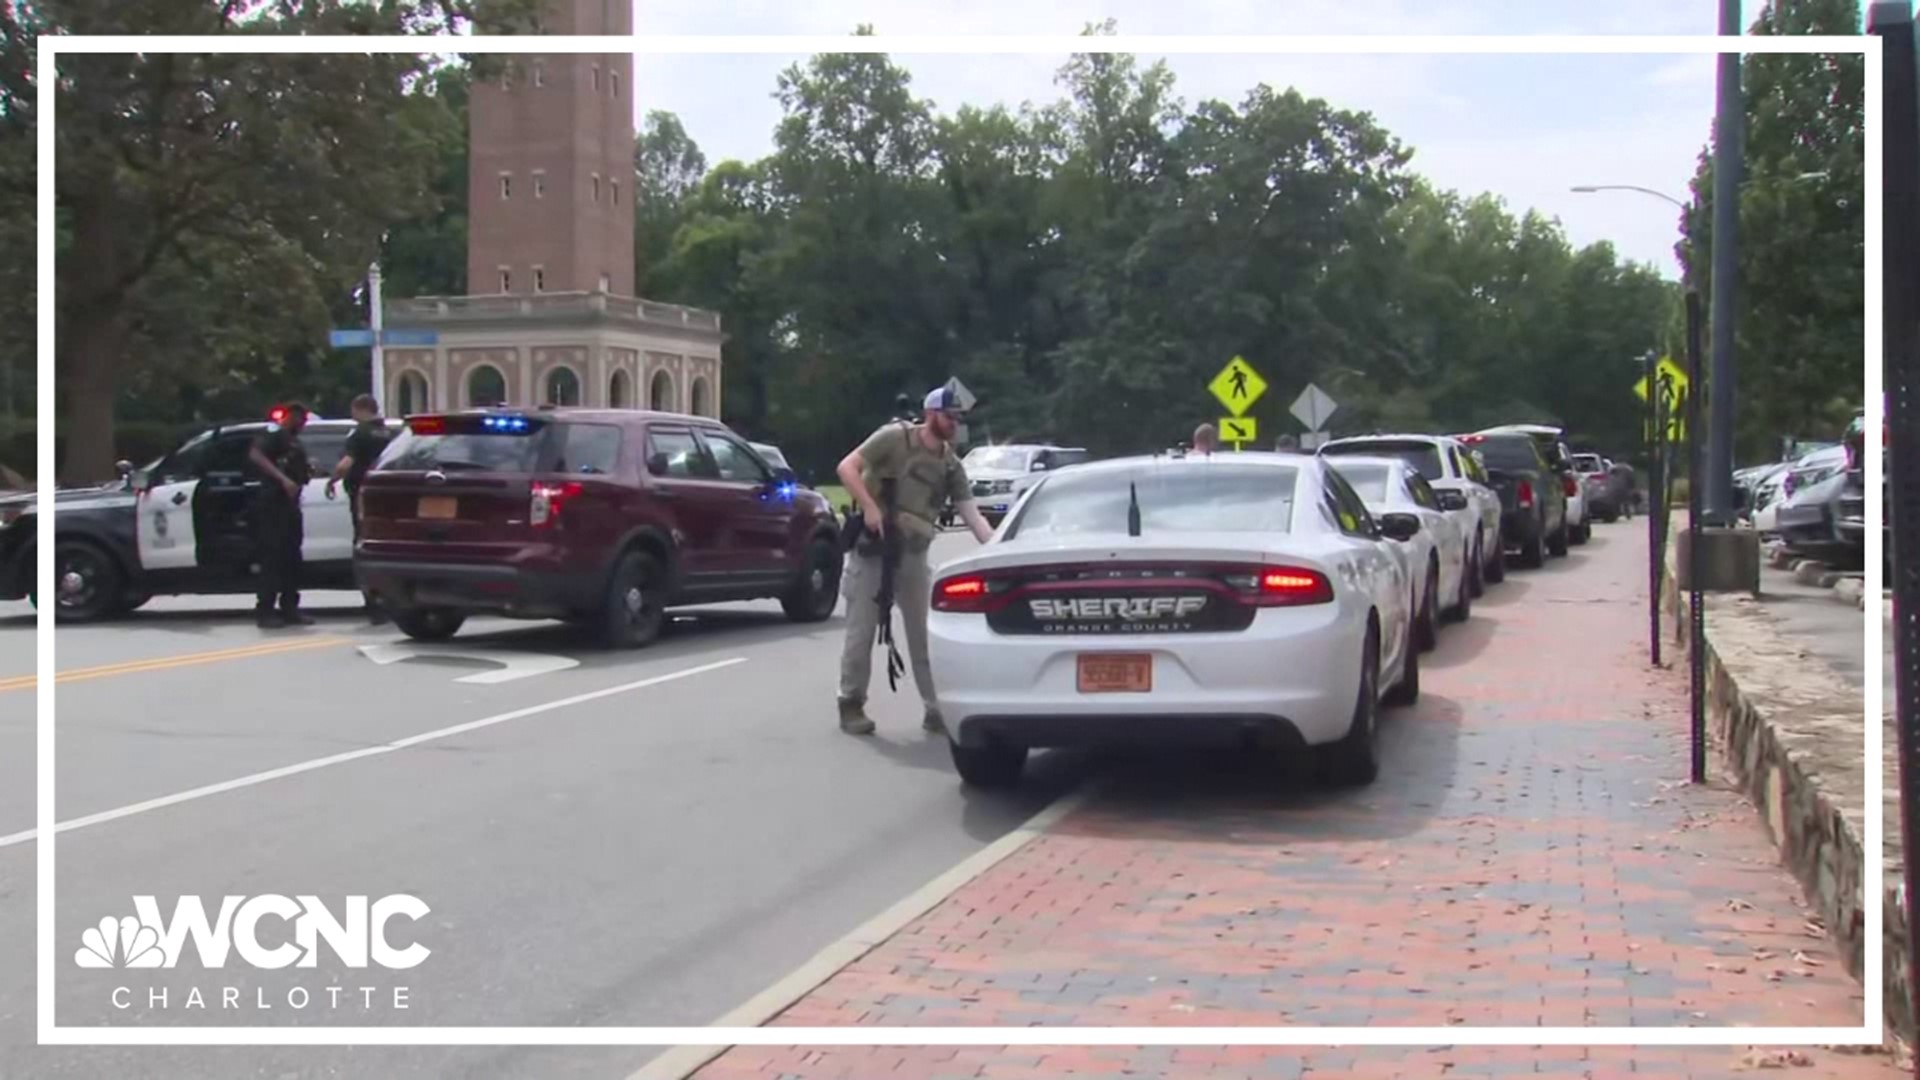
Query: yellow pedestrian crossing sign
(1237, 430)
(1238, 386)
(1670, 376)
(1673, 385)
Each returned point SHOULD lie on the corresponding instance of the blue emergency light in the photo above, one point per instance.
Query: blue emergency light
(515, 424)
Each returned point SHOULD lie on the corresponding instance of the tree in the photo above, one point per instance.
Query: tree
(165, 161)
(1801, 319)
(668, 167)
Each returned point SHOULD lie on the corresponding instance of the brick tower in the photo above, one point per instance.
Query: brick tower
(550, 185)
(551, 316)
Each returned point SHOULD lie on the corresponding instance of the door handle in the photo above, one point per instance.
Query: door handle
(664, 493)
(179, 498)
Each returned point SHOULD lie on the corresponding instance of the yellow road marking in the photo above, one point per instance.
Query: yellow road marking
(164, 663)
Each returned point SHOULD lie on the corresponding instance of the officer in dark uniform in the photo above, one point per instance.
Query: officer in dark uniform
(282, 465)
(364, 446)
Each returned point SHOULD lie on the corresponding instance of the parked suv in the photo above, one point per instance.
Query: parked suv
(601, 517)
(1533, 498)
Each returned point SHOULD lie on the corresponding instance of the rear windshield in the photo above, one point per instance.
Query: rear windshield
(1424, 457)
(1588, 463)
(466, 445)
(1509, 452)
(1198, 497)
(1367, 481)
(999, 459)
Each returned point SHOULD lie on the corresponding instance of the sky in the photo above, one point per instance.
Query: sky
(1525, 128)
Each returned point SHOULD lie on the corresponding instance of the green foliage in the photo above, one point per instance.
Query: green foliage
(1800, 326)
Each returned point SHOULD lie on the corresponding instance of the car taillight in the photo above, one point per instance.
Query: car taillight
(1287, 586)
(964, 593)
(1568, 485)
(543, 506)
(427, 425)
(1524, 495)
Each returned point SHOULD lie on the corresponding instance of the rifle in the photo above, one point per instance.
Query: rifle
(889, 565)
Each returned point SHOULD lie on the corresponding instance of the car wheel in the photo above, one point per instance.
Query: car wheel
(1427, 628)
(1355, 759)
(817, 593)
(1475, 572)
(1497, 569)
(635, 610)
(133, 600)
(1407, 690)
(1462, 608)
(993, 765)
(428, 624)
(1584, 533)
(1557, 546)
(1533, 553)
(88, 581)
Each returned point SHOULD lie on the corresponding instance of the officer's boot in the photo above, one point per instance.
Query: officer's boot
(269, 619)
(854, 719)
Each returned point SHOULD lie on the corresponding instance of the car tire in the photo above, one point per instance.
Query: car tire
(1427, 624)
(1557, 546)
(133, 600)
(1497, 569)
(634, 612)
(1475, 571)
(1583, 534)
(992, 766)
(1533, 553)
(98, 582)
(1462, 608)
(1407, 690)
(428, 624)
(1355, 759)
(813, 597)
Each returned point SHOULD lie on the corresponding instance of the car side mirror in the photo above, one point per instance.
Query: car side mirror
(1451, 500)
(784, 478)
(657, 464)
(1401, 527)
(1039, 466)
(139, 481)
(123, 467)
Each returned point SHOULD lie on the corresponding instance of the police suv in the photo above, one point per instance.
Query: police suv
(181, 525)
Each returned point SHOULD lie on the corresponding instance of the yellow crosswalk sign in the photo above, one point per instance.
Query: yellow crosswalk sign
(1237, 430)
(1238, 386)
(1673, 385)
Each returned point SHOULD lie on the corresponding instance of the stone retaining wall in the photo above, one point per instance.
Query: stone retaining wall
(1791, 731)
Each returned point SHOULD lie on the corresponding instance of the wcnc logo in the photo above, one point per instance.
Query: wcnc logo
(357, 936)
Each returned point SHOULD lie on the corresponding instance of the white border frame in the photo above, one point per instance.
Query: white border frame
(1870, 1032)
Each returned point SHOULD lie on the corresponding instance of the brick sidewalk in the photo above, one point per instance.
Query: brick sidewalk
(1529, 856)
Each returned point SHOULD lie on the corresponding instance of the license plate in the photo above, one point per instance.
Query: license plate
(1116, 673)
(439, 507)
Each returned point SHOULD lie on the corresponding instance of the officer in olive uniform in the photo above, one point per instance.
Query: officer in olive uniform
(282, 465)
(920, 460)
(364, 446)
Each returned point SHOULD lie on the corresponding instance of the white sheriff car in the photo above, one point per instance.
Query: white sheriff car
(1460, 481)
(1437, 555)
(1232, 599)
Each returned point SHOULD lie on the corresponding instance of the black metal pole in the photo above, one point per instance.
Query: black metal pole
(1653, 526)
(1900, 280)
(1729, 163)
(1696, 609)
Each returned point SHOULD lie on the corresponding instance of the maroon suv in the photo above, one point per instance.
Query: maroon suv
(601, 517)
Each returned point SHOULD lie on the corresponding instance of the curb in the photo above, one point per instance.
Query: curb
(1851, 590)
(681, 1062)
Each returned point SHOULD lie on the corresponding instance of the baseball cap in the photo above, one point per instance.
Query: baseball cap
(949, 397)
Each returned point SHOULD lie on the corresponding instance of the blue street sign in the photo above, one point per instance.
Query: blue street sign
(409, 337)
(348, 339)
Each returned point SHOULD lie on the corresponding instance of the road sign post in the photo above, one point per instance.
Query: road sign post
(379, 372)
(1696, 611)
(1653, 522)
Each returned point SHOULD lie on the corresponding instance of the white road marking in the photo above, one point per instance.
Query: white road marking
(365, 752)
(683, 1061)
(513, 665)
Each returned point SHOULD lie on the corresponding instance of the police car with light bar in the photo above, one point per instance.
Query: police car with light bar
(181, 525)
(1246, 599)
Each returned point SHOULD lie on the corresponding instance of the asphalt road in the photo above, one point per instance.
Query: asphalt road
(651, 856)
(648, 838)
